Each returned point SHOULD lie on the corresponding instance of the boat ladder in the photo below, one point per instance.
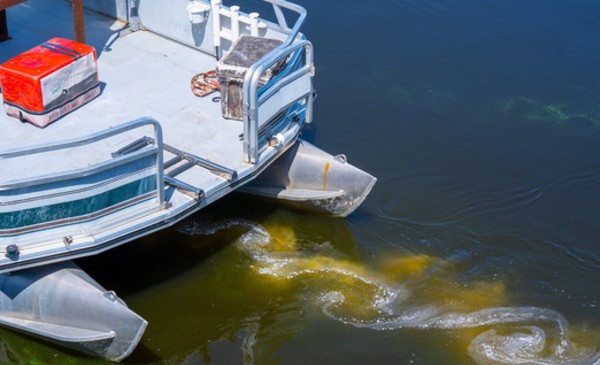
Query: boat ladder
(182, 161)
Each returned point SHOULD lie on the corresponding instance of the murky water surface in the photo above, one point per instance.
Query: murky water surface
(480, 244)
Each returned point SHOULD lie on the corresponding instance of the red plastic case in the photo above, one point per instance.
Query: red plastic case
(50, 80)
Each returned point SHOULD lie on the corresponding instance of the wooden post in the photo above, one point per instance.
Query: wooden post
(78, 22)
(3, 26)
(5, 4)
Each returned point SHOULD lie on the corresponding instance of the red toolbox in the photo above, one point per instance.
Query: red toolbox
(48, 81)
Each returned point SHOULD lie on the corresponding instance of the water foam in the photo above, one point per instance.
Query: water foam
(523, 335)
(198, 228)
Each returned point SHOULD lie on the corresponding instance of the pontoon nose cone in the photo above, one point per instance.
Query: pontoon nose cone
(309, 178)
(62, 304)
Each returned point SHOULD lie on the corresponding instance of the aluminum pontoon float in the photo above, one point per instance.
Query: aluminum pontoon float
(147, 153)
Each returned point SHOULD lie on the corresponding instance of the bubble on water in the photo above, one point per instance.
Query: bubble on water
(526, 345)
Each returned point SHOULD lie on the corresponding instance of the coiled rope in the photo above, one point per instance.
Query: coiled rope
(205, 83)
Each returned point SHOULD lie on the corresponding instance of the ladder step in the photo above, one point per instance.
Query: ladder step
(181, 168)
(216, 169)
(133, 146)
(187, 189)
(174, 161)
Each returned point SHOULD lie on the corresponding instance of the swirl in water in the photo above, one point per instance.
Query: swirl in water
(385, 308)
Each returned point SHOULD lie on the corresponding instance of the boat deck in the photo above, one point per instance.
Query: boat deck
(146, 152)
(141, 74)
(66, 193)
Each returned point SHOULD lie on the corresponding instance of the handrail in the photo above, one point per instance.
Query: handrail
(253, 21)
(235, 16)
(73, 174)
(250, 85)
(277, 5)
(95, 137)
(250, 90)
(77, 142)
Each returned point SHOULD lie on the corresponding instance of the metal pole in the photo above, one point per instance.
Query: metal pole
(216, 25)
(235, 23)
(78, 21)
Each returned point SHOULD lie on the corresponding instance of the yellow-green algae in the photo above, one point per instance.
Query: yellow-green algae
(560, 113)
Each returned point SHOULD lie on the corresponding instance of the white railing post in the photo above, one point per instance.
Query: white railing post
(216, 26)
(240, 24)
(235, 23)
(253, 24)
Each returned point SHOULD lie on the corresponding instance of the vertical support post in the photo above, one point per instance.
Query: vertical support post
(216, 26)
(310, 99)
(253, 24)
(133, 15)
(3, 26)
(160, 173)
(235, 23)
(309, 108)
(78, 21)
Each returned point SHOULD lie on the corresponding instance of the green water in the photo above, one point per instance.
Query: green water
(256, 284)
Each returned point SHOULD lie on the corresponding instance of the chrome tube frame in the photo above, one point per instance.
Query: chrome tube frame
(277, 5)
(82, 141)
(251, 101)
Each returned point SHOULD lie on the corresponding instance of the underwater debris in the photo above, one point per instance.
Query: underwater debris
(563, 114)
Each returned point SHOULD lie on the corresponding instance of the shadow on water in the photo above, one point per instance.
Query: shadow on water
(162, 256)
(227, 309)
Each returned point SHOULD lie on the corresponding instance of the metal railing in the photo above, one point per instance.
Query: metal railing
(293, 32)
(256, 27)
(294, 87)
(284, 91)
(98, 168)
(253, 22)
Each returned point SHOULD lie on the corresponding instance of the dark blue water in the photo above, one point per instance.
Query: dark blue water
(482, 120)
(480, 243)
